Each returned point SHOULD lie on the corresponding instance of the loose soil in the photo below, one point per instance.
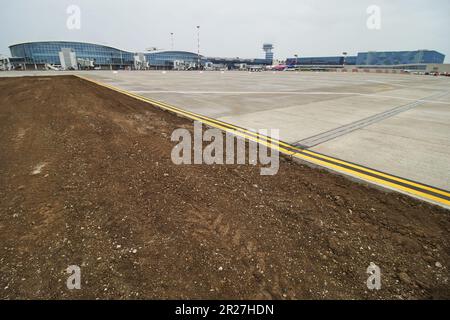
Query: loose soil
(86, 179)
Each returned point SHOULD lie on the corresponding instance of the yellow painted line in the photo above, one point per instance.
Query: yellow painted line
(275, 144)
(374, 179)
(385, 175)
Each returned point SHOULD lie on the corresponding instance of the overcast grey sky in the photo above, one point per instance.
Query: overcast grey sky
(234, 28)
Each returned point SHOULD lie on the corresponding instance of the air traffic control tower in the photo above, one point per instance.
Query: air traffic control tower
(267, 47)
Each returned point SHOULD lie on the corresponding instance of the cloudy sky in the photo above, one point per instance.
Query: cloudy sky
(234, 28)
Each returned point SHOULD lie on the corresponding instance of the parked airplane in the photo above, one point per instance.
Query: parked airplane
(280, 67)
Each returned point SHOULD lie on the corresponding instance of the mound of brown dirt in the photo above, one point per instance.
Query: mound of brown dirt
(86, 179)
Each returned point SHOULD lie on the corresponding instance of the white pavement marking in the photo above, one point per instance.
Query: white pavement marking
(387, 83)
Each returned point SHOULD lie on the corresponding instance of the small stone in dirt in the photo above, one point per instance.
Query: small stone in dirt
(21, 187)
(220, 268)
(134, 251)
(118, 246)
(336, 246)
(38, 168)
(339, 200)
(404, 277)
(438, 264)
(166, 174)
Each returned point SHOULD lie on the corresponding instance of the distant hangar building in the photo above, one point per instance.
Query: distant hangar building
(389, 58)
(375, 58)
(322, 61)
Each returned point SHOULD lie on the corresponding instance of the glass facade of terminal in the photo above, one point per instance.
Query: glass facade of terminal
(233, 63)
(374, 58)
(350, 60)
(165, 59)
(321, 61)
(399, 57)
(48, 52)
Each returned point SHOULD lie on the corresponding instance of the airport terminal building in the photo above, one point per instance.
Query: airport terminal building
(322, 61)
(80, 55)
(386, 58)
(69, 55)
(411, 60)
(42, 53)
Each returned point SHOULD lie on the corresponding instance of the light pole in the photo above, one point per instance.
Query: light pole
(171, 39)
(198, 47)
